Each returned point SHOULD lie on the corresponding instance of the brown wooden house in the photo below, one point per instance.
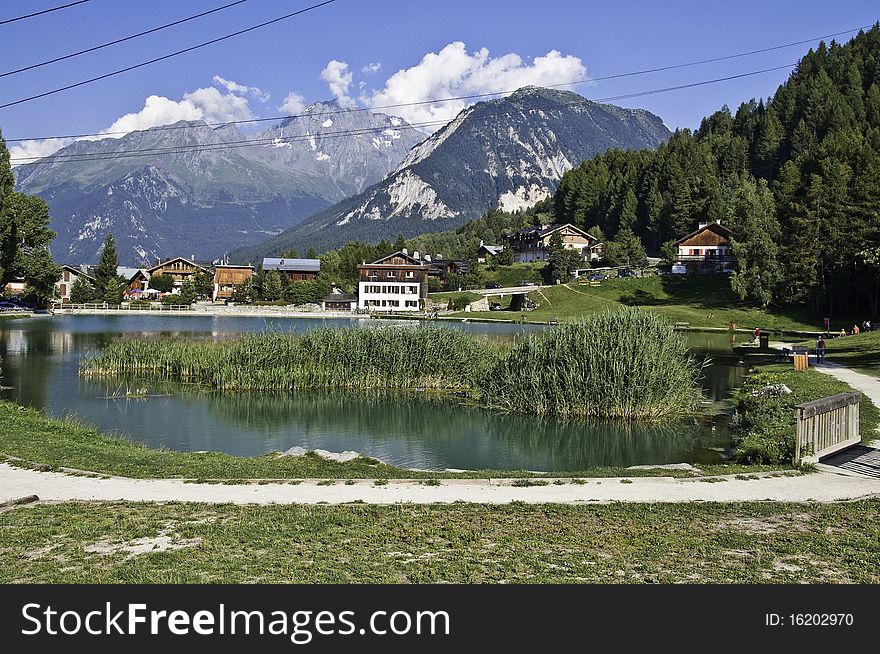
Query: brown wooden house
(706, 250)
(296, 270)
(397, 282)
(227, 277)
(179, 268)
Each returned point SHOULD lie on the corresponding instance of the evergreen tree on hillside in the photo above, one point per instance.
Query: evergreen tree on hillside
(754, 243)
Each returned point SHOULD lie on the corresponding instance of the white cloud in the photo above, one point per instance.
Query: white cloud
(371, 68)
(294, 104)
(207, 104)
(25, 151)
(338, 78)
(241, 89)
(454, 72)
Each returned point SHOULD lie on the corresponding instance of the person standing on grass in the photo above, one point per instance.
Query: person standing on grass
(842, 332)
(820, 350)
(757, 334)
(855, 330)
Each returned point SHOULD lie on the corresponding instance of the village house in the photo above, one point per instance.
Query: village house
(486, 252)
(136, 280)
(296, 270)
(533, 243)
(338, 300)
(397, 282)
(227, 277)
(69, 274)
(706, 250)
(179, 268)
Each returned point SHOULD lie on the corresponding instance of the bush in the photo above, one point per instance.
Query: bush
(459, 302)
(624, 364)
(763, 427)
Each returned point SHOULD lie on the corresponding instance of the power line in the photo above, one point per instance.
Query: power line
(227, 145)
(122, 40)
(472, 96)
(167, 56)
(45, 11)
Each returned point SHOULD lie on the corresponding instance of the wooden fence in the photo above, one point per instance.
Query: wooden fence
(123, 307)
(826, 426)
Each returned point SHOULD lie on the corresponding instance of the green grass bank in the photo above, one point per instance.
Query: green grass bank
(617, 543)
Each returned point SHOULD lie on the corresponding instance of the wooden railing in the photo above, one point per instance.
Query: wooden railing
(826, 426)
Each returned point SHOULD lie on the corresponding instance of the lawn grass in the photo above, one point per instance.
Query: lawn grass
(28, 435)
(860, 352)
(457, 543)
(700, 301)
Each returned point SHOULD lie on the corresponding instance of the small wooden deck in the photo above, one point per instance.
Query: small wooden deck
(859, 459)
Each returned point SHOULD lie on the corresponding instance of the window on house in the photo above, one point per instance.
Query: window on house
(412, 303)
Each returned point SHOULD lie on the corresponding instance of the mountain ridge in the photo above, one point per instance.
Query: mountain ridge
(508, 152)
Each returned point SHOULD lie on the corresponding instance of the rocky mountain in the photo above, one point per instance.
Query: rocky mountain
(506, 153)
(193, 190)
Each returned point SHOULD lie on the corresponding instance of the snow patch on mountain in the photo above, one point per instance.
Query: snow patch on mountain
(327, 123)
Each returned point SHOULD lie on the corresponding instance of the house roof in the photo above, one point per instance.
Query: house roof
(77, 271)
(718, 228)
(162, 264)
(491, 249)
(400, 255)
(307, 265)
(129, 273)
(546, 230)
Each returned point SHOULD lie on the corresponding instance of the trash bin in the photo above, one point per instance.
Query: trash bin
(764, 340)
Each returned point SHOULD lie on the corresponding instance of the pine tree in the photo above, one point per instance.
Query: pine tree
(754, 243)
(109, 287)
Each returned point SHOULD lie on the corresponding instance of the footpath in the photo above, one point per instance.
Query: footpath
(822, 486)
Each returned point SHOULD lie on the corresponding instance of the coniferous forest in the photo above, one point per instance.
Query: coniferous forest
(797, 179)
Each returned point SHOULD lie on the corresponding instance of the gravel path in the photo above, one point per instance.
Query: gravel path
(820, 487)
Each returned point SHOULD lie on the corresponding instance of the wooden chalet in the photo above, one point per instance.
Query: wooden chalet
(296, 270)
(136, 279)
(179, 268)
(706, 250)
(227, 277)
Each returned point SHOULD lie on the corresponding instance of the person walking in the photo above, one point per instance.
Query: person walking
(820, 350)
(757, 335)
(855, 330)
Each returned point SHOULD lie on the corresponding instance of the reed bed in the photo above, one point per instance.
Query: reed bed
(383, 357)
(626, 364)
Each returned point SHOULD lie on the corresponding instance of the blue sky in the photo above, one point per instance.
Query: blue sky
(478, 46)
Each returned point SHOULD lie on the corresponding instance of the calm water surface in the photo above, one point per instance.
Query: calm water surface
(39, 365)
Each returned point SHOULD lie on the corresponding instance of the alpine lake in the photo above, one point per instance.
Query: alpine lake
(41, 355)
